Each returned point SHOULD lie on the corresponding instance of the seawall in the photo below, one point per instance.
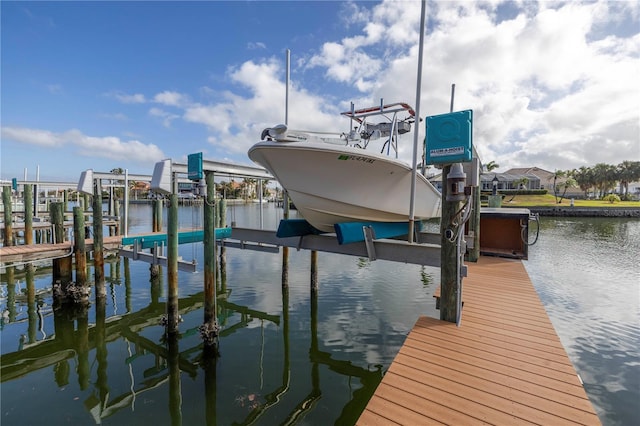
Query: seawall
(587, 211)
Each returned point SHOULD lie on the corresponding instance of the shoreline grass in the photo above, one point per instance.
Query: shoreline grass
(548, 200)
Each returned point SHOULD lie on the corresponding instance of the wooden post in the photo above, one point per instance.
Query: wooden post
(65, 200)
(62, 267)
(314, 271)
(156, 226)
(448, 254)
(98, 253)
(172, 266)
(209, 331)
(221, 220)
(116, 213)
(79, 248)
(285, 250)
(474, 226)
(8, 217)
(28, 214)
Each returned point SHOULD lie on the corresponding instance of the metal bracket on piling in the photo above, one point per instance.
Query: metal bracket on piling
(369, 236)
(299, 247)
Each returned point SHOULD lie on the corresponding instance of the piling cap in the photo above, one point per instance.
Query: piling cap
(456, 172)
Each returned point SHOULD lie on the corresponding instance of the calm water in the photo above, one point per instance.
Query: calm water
(287, 357)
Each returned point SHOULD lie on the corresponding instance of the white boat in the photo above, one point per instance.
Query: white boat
(333, 178)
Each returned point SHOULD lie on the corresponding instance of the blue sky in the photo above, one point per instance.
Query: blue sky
(100, 85)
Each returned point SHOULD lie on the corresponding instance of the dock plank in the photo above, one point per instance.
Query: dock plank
(505, 364)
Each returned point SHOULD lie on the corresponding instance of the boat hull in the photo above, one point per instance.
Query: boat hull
(332, 184)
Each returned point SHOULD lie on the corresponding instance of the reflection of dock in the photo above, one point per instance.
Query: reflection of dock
(503, 365)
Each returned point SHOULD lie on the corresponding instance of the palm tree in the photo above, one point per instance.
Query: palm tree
(557, 175)
(491, 165)
(568, 183)
(605, 176)
(519, 184)
(584, 178)
(628, 171)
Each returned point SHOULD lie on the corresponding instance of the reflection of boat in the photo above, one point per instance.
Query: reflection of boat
(341, 178)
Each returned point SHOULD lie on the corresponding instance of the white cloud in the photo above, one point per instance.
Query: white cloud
(256, 45)
(43, 138)
(171, 98)
(109, 147)
(125, 98)
(166, 117)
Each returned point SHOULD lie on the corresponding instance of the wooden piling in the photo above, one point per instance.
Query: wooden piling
(156, 226)
(210, 330)
(474, 226)
(28, 214)
(8, 217)
(79, 248)
(221, 222)
(314, 271)
(285, 250)
(172, 266)
(448, 253)
(62, 267)
(98, 241)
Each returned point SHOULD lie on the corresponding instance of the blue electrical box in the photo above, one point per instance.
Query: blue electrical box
(194, 166)
(449, 138)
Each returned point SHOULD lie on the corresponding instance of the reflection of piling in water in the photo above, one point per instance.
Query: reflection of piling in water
(209, 364)
(175, 387)
(31, 302)
(82, 350)
(11, 293)
(102, 382)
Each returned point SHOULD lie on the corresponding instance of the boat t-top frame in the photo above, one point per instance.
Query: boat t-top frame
(361, 132)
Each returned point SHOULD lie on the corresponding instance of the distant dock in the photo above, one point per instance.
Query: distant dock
(503, 365)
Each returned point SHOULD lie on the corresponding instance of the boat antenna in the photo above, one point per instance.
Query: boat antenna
(286, 93)
(414, 170)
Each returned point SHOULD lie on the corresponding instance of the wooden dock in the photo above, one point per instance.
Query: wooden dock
(35, 252)
(503, 365)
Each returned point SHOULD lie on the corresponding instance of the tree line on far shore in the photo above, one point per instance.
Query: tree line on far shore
(601, 178)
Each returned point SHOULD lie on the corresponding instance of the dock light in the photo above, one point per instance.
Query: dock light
(495, 185)
(456, 180)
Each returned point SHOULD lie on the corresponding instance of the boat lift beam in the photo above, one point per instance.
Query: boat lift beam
(382, 249)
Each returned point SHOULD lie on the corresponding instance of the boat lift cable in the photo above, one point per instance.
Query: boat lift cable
(523, 227)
